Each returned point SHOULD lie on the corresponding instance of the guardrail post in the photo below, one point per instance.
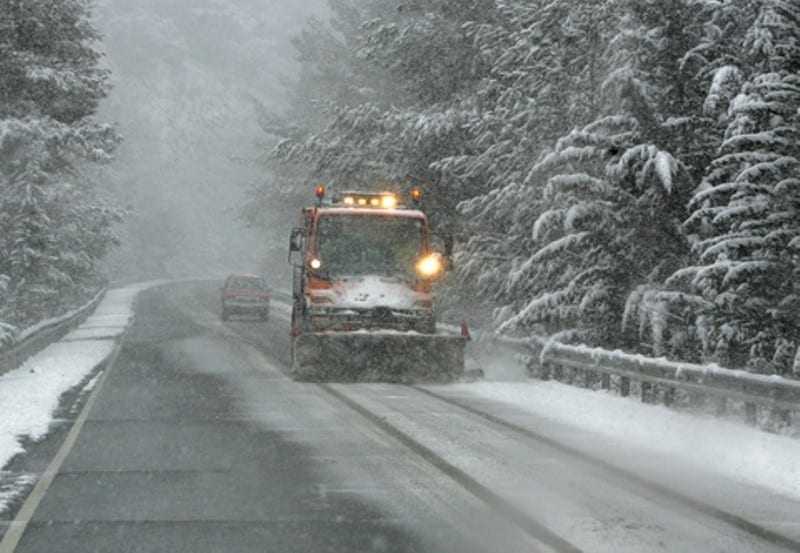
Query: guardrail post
(669, 396)
(786, 417)
(751, 413)
(646, 387)
(779, 418)
(605, 381)
(590, 379)
(722, 406)
(545, 370)
(624, 386)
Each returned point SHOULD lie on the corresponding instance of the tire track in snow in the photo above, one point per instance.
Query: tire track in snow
(525, 522)
(734, 520)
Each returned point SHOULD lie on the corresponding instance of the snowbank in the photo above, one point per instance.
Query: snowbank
(28, 332)
(111, 317)
(30, 394)
(728, 448)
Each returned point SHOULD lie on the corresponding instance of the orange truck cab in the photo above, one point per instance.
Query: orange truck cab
(365, 263)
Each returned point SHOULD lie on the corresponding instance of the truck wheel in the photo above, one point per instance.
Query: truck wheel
(293, 353)
(301, 322)
(225, 315)
(295, 324)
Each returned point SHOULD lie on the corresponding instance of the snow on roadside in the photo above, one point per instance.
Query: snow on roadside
(30, 395)
(26, 333)
(729, 448)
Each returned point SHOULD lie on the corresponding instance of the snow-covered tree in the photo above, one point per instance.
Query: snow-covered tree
(546, 61)
(613, 161)
(746, 213)
(598, 216)
(331, 78)
(379, 100)
(53, 228)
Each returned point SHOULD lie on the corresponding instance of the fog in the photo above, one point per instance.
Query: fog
(546, 300)
(188, 79)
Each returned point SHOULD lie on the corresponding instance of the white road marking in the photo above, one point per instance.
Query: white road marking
(20, 523)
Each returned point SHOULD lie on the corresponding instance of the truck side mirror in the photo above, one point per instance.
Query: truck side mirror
(445, 243)
(296, 241)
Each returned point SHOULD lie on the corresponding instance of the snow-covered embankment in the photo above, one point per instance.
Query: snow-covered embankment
(30, 394)
(625, 432)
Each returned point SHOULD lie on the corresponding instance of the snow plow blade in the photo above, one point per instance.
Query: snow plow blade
(377, 357)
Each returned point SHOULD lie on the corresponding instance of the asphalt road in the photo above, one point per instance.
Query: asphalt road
(197, 442)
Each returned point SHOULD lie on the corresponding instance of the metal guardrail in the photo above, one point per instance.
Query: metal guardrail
(15, 356)
(767, 391)
(583, 365)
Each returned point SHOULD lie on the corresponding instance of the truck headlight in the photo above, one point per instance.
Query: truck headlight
(430, 266)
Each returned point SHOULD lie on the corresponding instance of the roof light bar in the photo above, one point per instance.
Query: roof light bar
(383, 200)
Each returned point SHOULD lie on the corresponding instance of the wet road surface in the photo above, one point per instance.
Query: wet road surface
(197, 442)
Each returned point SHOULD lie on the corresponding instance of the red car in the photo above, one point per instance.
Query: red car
(245, 295)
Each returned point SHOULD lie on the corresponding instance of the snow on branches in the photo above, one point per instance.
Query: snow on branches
(53, 229)
(624, 173)
(746, 212)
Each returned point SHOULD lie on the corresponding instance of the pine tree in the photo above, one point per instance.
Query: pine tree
(52, 228)
(49, 64)
(626, 173)
(546, 63)
(597, 217)
(392, 110)
(746, 214)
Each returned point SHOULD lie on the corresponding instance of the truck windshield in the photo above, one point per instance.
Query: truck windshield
(363, 244)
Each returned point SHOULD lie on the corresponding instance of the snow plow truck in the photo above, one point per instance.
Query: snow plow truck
(363, 310)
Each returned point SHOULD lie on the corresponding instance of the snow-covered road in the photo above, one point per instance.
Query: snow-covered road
(198, 441)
